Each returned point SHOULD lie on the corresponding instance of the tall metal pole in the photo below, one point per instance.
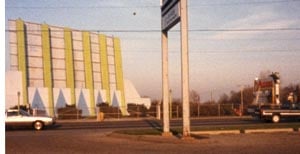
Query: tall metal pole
(165, 81)
(185, 69)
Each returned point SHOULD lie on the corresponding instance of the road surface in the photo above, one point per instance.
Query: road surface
(150, 123)
(98, 137)
(103, 141)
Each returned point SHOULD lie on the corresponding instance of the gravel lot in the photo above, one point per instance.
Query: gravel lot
(93, 141)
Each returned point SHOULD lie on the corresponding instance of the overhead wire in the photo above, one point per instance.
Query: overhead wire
(172, 31)
(209, 51)
(220, 51)
(150, 6)
(245, 3)
(190, 30)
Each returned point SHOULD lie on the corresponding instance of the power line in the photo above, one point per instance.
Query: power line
(191, 30)
(191, 38)
(209, 51)
(245, 30)
(80, 7)
(245, 3)
(245, 39)
(147, 6)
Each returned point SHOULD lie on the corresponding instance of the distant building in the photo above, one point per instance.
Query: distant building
(54, 66)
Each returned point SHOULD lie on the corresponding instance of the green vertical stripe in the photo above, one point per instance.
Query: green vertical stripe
(47, 66)
(70, 81)
(89, 83)
(119, 73)
(22, 58)
(104, 67)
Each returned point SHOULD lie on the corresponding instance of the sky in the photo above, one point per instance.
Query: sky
(230, 41)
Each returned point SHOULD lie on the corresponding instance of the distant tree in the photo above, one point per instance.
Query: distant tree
(248, 96)
(224, 99)
(235, 97)
(297, 91)
(194, 97)
(285, 91)
(176, 101)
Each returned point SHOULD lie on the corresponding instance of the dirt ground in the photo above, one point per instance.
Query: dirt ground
(95, 142)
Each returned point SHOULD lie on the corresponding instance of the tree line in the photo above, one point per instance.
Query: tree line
(247, 94)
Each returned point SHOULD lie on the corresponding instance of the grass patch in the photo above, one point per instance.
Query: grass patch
(140, 132)
(149, 131)
(294, 126)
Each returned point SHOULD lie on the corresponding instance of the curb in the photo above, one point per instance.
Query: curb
(216, 132)
(147, 138)
(246, 131)
(269, 130)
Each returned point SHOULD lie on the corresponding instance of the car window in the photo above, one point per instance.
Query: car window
(24, 113)
(13, 113)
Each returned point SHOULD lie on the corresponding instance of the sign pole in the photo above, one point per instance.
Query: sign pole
(174, 11)
(185, 69)
(165, 81)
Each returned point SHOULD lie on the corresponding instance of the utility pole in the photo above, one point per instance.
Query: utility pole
(242, 100)
(211, 97)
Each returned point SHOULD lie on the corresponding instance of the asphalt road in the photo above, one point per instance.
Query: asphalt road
(150, 123)
(90, 136)
(103, 141)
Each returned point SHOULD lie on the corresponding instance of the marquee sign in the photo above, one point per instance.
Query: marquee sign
(170, 12)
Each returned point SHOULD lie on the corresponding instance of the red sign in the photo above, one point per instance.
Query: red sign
(263, 84)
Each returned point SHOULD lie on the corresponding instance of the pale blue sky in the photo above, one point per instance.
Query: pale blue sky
(219, 60)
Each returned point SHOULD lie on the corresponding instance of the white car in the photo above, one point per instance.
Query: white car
(22, 118)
